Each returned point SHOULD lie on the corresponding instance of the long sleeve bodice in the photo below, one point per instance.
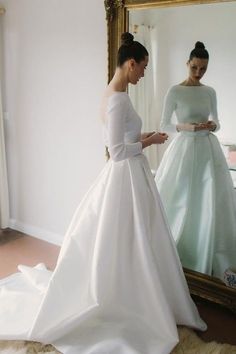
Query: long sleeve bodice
(122, 127)
(191, 104)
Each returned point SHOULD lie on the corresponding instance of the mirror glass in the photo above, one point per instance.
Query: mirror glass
(170, 34)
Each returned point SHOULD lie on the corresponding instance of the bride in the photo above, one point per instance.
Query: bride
(118, 287)
(193, 178)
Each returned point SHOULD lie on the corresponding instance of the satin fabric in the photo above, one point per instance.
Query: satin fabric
(118, 287)
(199, 200)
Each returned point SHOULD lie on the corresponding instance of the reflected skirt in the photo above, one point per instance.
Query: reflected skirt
(199, 199)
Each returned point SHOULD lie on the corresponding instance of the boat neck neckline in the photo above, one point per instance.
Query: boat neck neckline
(191, 85)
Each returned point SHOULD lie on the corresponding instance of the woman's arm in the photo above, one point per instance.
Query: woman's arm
(214, 123)
(116, 116)
(168, 109)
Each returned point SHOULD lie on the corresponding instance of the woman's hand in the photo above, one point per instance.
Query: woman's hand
(210, 125)
(154, 138)
(146, 135)
(159, 138)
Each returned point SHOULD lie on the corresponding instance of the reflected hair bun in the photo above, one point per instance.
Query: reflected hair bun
(199, 51)
(130, 49)
(199, 45)
(127, 39)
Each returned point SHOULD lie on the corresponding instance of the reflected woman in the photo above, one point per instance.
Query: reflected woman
(193, 177)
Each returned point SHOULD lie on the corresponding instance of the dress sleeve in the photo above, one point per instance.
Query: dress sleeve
(116, 117)
(214, 113)
(168, 110)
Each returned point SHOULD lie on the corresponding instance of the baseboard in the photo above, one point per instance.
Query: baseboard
(36, 232)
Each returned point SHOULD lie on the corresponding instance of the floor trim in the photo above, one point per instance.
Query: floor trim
(36, 232)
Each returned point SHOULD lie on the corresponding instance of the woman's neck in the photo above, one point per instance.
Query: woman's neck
(191, 82)
(119, 81)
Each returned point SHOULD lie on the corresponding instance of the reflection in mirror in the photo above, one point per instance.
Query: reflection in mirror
(193, 177)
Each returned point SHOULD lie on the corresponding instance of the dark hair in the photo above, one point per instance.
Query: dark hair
(130, 49)
(199, 52)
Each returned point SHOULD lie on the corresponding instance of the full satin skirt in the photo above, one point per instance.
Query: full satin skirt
(199, 199)
(118, 287)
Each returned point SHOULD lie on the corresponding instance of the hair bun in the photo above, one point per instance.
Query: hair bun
(127, 39)
(199, 45)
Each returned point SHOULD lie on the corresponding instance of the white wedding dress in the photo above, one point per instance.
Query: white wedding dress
(195, 185)
(118, 287)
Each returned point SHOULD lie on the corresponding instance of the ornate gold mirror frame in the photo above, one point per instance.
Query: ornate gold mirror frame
(202, 285)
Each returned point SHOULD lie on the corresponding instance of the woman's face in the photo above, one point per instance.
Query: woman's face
(136, 70)
(197, 68)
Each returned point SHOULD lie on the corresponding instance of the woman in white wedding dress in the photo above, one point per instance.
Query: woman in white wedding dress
(118, 287)
(193, 178)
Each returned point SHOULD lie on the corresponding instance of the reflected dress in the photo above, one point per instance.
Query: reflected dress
(118, 287)
(195, 185)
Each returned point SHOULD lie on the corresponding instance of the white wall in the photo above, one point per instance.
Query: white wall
(178, 29)
(55, 66)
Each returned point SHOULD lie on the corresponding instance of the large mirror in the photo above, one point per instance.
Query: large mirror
(169, 30)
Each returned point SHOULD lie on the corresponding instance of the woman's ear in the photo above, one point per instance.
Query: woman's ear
(131, 64)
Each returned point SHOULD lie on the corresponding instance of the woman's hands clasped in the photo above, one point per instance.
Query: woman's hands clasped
(210, 125)
(159, 138)
(151, 138)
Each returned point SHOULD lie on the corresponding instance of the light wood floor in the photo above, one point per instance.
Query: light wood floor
(17, 248)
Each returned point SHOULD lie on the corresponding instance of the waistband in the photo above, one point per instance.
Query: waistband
(196, 134)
